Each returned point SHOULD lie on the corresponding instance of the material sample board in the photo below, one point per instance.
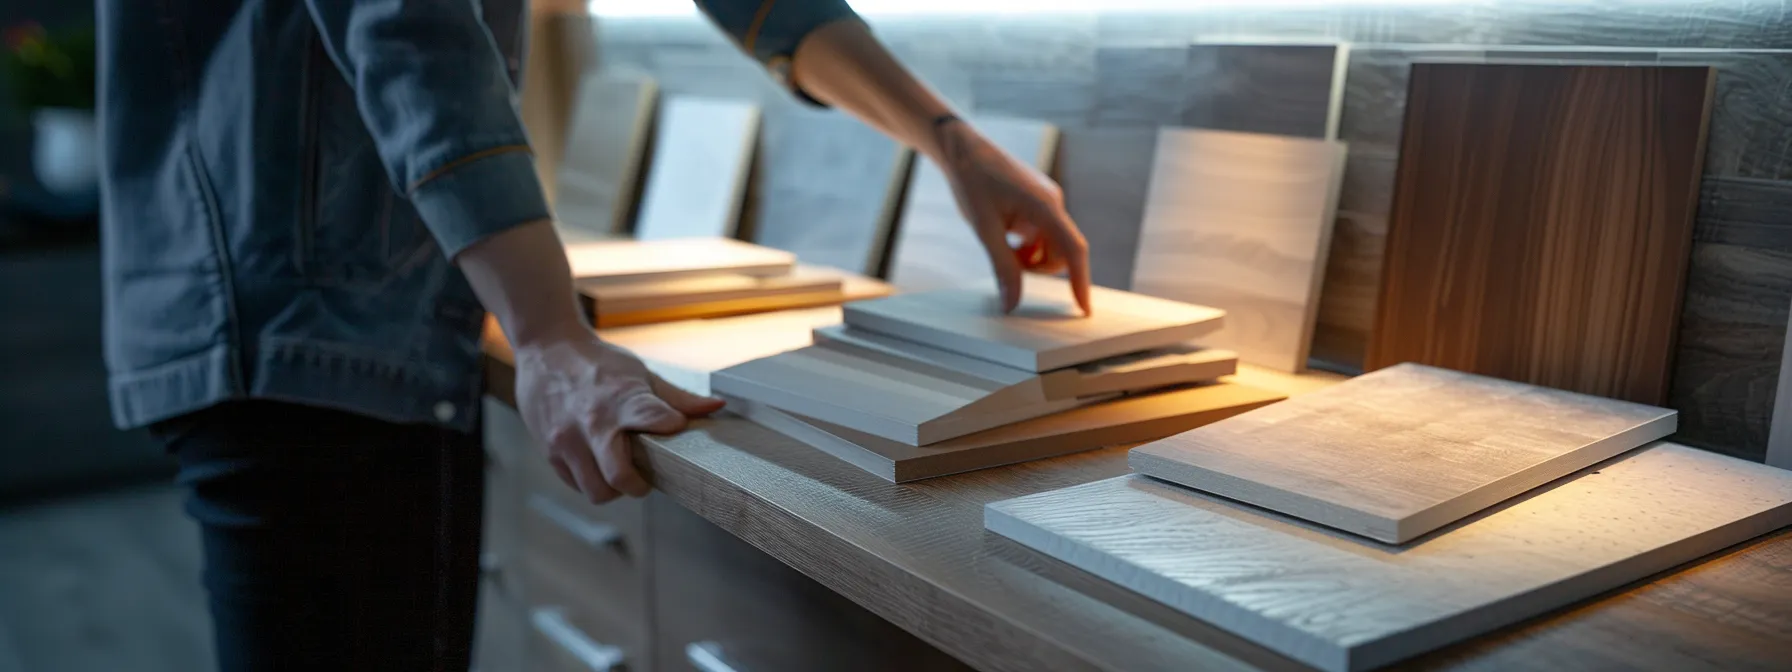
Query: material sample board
(1542, 223)
(830, 188)
(1105, 173)
(1779, 435)
(614, 304)
(1125, 373)
(686, 352)
(1397, 453)
(935, 247)
(1046, 331)
(702, 155)
(1125, 420)
(1341, 603)
(1242, 222)
(601, 164)
(629, 261)
(1283, 89)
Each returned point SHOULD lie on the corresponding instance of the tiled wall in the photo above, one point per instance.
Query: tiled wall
(1116, 75)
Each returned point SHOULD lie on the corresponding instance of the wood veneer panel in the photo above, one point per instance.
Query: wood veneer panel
(1242, 222)
(1542, 223)
(600, 168)
(1129, 419)
(1284, 89)
(613, 298)
(829, 188)
(702, 155)
(1400, 452)
(1046, 331)
(631, 261)
(1779, 436)
(1341, 603)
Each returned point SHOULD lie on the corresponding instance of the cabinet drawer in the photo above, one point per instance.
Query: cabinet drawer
(585, 632)
(576, 560)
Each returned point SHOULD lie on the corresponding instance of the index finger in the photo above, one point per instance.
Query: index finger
(1075, 251)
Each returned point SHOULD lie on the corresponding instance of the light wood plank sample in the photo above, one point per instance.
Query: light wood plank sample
(702, 155)
(685, 353)
(627, 261)
(1129, 419)
(829, 189)
(651, 294)
(1047, 331)
(1284, 89)
(1340, 603)
(1397, 453)
(600, 168)
(1136, 372)
(836, 287)
(1243, 223)
(1542, 223)
(935, 248)
(898, 399)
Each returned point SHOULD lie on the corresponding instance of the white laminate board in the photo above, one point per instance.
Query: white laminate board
(1125, 373)
(702, 155)
(1400, 452)
(1242, 222)
(600, 166)
(935, 248)
(685, 353)
(628, 261)
(828, 189)
(1779, 435)
(1339, 602)
(897, 399)
(1047, 331)
(1129, 419)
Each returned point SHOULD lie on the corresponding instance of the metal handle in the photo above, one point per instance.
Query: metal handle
(595, 534)
(551, 623)
(706, 657)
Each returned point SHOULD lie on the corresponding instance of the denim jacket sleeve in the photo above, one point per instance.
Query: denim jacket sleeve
(770, 30)
(436, 95)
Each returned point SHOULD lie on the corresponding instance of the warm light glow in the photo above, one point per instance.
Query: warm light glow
(625, 8)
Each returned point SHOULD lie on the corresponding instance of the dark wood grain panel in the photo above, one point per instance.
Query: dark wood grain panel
(1541, 224)
(1105, 173)
(1751, 111)
(1279, 89)
(1731, 332)
(1745, 212)
(1353, 271)
(1139, 86)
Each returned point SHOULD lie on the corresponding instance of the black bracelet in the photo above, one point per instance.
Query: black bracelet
(944, 119)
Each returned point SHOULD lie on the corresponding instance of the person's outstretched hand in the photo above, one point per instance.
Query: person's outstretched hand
(583, 397)
(1000, 195)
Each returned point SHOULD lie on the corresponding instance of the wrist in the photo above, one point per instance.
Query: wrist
(950, 138)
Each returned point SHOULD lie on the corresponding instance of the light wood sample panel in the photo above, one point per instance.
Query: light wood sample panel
(651, 294)
(1242, 222)
(1285, 89)
(1340, 603)
(935, 247)
(702, 155)
(600, 167)
(829, 188)
(1394, 454)
(1129, 419)
(1046, 331)
(1542, 223)
(630, 261)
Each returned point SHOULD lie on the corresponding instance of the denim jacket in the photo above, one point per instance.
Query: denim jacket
(285, 183)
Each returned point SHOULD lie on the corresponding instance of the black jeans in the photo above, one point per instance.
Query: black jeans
(333, 541)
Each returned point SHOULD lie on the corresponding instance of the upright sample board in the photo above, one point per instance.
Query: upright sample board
(628, 261)
(1779, 434)
(829, 189)
(702, 156)
(1282, 89)
(1542, 223)
(1397, 453)
(1128, 419)
(601, 164)
(935, 247)
(1105, 174)
(1046, 331)
(1340, 603)
(1242, 222)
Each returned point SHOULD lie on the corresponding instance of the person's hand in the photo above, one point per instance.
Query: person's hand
(1000, 195)
(582, 398)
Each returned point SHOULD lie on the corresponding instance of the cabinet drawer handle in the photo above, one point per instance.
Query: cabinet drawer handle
(596, 535)
(551, 622)
(706, 657)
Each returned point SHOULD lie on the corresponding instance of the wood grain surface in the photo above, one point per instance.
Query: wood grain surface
(844, 288)
(1242, 222)
(935, 247)
(1779, 438)
(1282, 89)
(1340, 603)
(702, 154)
(1541, 223)
(600, 169)
(631, 261)
(1105, 173)
(1046, 331)
(1130, 419)
(602, 298)
(1397, 453)
(829, 189)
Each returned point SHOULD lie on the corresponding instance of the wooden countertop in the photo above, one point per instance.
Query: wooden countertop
(917, 555)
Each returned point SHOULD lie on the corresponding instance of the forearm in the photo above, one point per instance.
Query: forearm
(522, 277)
(842, 64)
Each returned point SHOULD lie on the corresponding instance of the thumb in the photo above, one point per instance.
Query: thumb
(682, 400)
(992, 229)
(649, 413)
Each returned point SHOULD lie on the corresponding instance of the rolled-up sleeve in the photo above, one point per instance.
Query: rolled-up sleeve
(436, 95)
(771, 30)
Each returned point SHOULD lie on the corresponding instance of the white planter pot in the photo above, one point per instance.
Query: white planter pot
(66, 156)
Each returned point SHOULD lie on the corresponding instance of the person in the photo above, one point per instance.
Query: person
(308, 209)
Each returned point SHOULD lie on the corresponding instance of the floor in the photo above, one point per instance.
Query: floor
(105, 582)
